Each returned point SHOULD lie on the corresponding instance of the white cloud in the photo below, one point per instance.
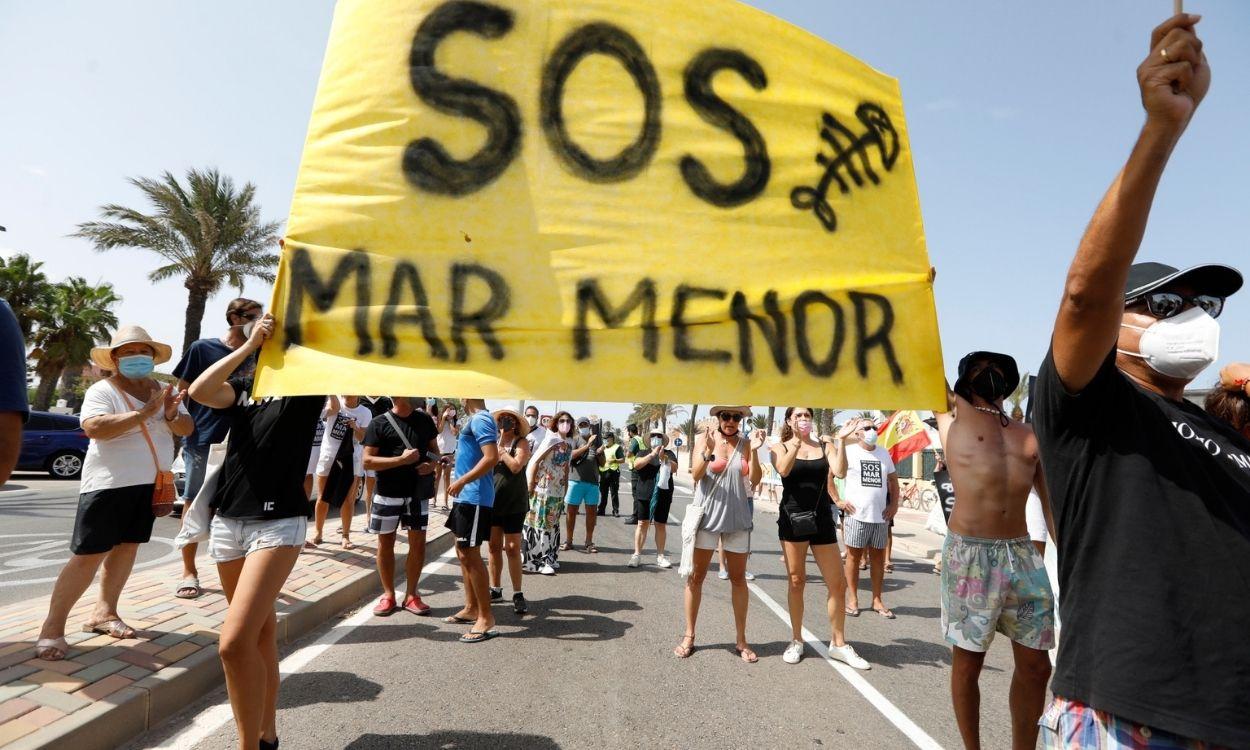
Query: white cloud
(942, 105)
(35, 170)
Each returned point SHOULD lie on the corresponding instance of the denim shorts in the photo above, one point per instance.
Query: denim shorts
(233, 538)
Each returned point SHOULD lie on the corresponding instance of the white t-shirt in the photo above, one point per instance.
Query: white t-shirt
(332, 436)
(867, 482)
(124, 460)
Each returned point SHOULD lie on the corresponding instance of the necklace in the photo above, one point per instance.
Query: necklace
(995, 412)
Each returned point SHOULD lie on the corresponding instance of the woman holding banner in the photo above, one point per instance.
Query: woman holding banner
(259, 529)
(548, 481)
(725, 467)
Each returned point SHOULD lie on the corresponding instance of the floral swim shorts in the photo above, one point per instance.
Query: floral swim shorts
(995, 585)
(1072, 725)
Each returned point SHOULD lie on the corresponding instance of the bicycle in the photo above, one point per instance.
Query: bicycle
(917, 498)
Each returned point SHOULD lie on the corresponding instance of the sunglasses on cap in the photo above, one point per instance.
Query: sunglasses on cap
(1163, 305)
(732, 417)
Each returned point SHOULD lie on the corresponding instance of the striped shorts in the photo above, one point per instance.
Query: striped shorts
(389, 513)
(858, 534)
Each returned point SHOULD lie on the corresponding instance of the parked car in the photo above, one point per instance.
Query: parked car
(54, 443)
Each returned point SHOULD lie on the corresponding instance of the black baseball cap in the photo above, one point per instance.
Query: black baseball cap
(1005, 362)
(1209, 278)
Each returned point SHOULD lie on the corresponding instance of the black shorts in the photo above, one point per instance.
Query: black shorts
(657, 510)
(825, 531)
(470, 524)
(107, 518)
(511, 523)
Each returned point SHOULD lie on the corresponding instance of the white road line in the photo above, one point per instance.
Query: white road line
(208, 721)
(887, 709)
(891, 712)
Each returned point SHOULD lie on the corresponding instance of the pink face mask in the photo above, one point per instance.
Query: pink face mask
(804, 425)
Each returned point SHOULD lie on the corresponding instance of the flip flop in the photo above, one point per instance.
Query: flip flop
(190, 585)
(114, 628)
(852, 612)
(746, 654)
(889, 567)
(454, 620)
(476, 636)
(51, 649)
(886, 613)
(566, 547)
(682, 651)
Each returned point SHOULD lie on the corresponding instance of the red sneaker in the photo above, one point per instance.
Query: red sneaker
(386, 605)
(414, 605)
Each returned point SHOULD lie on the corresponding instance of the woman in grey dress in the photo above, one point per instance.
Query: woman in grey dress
(726, 467)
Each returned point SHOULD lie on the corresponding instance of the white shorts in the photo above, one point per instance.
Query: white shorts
(232, 538)
(358, 461)
(734, 541)
(312, 459)
(1035, 518)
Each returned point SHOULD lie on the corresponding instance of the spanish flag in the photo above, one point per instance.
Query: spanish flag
(904, 434)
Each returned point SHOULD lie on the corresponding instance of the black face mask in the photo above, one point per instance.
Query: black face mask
(990, 385)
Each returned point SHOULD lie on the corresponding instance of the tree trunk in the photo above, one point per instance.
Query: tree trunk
(772, 414)
(197, 298)
(69, 386)
(48, 377)
(694, 418)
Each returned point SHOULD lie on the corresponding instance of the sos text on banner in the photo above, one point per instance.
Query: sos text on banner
(603, 200)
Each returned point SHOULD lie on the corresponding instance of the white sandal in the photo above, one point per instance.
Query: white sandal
(190, 582)
(43, 645)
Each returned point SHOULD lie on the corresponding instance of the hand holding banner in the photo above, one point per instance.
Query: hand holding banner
(603, 200)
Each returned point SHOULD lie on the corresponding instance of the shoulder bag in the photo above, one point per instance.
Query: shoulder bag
(163, 490)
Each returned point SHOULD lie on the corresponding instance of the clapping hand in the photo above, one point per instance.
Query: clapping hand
(155, 403)
(171, 401)
(758, 437)
(851, 426)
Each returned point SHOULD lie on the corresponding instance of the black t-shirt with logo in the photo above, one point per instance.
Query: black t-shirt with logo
(403, 481)
(262, 477)
(1151, 499)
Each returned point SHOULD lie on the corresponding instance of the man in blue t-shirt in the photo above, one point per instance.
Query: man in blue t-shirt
(211, 425)
(13, 407)
(473, 487)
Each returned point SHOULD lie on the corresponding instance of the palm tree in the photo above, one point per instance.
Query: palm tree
(1018, 397)
(80, 316)
(758, 421)
(26, 289)
(209, 233)
(772, 415)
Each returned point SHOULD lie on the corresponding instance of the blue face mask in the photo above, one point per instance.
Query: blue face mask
(136, 365)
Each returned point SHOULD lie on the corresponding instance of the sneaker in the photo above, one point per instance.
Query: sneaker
(496, 595)
(663, 562)
(631, 521)
(793, 653)
(519, 605)
(547, 570)
(723, 574)
(635, 560)
(846, 654)
(749, 576)
(414, 605)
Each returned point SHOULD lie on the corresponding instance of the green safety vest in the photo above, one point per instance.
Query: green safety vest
(612, 457)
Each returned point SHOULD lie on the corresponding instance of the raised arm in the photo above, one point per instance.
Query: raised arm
(1173, 80)
(211, 387)
(703, 451)
(837, 463)
(785, 454)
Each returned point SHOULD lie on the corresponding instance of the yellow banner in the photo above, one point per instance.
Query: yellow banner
(603, 200)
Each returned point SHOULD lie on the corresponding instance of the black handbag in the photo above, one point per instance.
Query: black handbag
(802, 522)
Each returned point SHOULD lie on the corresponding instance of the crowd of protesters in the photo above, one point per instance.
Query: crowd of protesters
(1148, 659)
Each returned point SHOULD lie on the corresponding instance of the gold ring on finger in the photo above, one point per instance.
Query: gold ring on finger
(1164, 52)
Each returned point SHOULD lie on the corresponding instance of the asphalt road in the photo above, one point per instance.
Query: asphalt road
(35, 534)
(591, 667)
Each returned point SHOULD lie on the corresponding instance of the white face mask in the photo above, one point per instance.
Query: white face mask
(656, 442)
(585, 431)
(1181, 346)
(248, 327)
(870, 438)
(532, 420)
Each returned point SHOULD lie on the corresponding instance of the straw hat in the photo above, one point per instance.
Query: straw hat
(745, 411)
(101, 355)
(522, 424)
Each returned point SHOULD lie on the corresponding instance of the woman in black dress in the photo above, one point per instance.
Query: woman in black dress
(806, 520)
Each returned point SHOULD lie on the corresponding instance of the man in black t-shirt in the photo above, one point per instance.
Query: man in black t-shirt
(1151, 496)
(398, 446)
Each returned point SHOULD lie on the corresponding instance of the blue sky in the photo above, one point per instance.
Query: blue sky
(1020, 114)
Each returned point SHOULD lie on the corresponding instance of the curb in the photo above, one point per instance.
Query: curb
(121, 717)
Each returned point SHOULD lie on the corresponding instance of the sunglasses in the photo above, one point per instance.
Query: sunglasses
(731, 417)
(1163, 305)
(565, 421)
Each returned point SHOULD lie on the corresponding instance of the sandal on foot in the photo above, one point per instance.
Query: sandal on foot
(683, 651)
(113, 628)
(886, 613)
(746, 654)
(477, 636)
(591, 548)
(188, 588)
(566, 547)
(889, 567)
(51, 649)
(457, 620)
(852, 611)
(347, 544)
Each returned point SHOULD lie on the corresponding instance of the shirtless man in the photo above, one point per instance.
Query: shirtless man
(992, 577)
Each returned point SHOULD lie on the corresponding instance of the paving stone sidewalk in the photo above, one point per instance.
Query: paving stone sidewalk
(107, 691)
